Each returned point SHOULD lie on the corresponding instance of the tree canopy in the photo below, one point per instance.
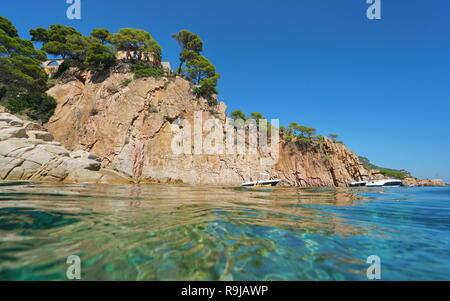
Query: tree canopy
(78, 50)
(101, 34)
(238, 115)
(199, 69)
(138, 44)
(333, 137)
(191, 46)
(23, 81)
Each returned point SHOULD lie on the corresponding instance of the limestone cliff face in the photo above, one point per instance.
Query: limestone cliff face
(128, 125)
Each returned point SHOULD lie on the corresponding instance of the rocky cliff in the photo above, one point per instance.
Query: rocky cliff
(129, 125)
(28, 152)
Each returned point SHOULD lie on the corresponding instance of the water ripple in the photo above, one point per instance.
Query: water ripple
(180, 232)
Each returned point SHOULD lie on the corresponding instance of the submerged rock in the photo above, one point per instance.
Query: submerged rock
(28, 152)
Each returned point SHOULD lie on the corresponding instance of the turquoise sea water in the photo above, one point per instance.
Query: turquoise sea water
(166, 232)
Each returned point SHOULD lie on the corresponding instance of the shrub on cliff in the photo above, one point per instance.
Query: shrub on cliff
(36, 105)
(238, 115)
(333, 137)
(394, 174)
(144, 70)
(207, 89)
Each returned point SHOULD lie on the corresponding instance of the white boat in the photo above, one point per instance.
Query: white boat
(261, 183)
(358, 184)
(384, 183)
(377, 183)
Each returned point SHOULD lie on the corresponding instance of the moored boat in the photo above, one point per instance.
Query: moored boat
(261, 183)
(378, 183)
(358, 184)
(384, 183)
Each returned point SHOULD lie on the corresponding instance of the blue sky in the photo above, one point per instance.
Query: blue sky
(383, 86)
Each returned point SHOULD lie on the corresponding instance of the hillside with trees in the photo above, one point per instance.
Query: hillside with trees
(389, 172)
(24, 80)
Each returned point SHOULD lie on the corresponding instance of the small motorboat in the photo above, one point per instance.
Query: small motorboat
(378, 183)
(385, 183)
(358, 184)
(261, 183)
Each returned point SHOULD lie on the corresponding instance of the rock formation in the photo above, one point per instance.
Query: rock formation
(129, 126)
(410, 182)
(29, 152)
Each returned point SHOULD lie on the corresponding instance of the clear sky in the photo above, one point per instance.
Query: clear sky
(382, 85)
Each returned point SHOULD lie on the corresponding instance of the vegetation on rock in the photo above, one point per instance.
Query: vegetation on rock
(23, 81)
(200, 70)
(393, 173)
(90, 53)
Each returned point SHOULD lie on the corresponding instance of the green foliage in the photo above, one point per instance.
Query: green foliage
(257, 116)
(207, 88)
(62, 68)
(319, 138)
(22, 80)
(59, 40)
(101, 34)
(289, 137)
(191, 46)
(8, 28)
(333, 137)
(99, 57)
(35, 105)
(238, 115)
(56, 33)
(394, 173)
(199, 69)
(138, 44)
(126, 82)
(144, 70)
(303, 133)
(78, 51)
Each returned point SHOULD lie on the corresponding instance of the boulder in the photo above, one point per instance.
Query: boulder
(28, 152)
(40, 135)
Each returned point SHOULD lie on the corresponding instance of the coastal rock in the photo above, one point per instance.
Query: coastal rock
(40, 135)
(3, 109)
(416, 182)
(27, 152)
(131, 129)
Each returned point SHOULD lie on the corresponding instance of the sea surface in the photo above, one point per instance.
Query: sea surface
(180, 232)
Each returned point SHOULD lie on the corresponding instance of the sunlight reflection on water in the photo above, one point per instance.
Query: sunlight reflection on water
(181, 232)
